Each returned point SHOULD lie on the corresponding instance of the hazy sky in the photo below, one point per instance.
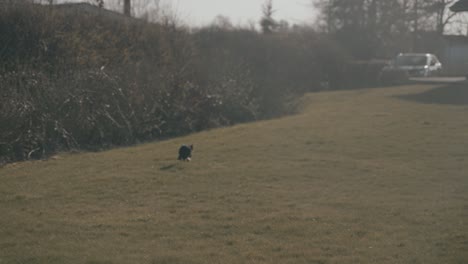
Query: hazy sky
(202, 12)
(240, 11)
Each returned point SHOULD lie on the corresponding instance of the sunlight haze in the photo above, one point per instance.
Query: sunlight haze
(241, 11)
(203, 12)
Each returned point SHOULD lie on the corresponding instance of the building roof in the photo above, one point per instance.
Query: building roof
(460, 6)
(456, 39)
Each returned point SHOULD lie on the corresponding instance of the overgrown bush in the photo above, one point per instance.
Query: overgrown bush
(83, 80)
(280, 66)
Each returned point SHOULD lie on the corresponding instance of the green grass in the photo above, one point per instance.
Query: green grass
(368, 176)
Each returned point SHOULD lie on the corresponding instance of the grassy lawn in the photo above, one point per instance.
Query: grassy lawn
(366, 176)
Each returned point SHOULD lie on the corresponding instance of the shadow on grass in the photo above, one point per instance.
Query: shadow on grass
(452, 94)
(168, 167)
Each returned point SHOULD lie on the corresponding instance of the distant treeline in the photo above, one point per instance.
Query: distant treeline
(90, 80)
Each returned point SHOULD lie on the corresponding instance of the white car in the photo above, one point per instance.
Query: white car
(415, 65)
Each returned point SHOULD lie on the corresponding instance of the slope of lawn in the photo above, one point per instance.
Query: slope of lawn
(366, 176)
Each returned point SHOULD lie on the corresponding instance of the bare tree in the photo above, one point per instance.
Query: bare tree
(100, 3)
(267, 22)
(365, 26)
(369, 28)
(222, 22)
(127, 7)
(147, 9)
(438, 12)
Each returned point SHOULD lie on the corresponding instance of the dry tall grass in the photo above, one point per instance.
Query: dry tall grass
(357, 177)
(80, 77)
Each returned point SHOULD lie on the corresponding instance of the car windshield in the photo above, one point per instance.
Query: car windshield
(411, 60)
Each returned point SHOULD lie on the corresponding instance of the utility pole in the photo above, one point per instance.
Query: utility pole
(416, 25)
(127, 7)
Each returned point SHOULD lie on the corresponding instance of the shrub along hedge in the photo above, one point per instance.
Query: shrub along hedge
(84, 80)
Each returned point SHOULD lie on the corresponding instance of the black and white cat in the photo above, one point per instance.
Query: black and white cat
(185, 152)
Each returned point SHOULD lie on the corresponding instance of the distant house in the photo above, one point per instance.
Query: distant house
(460, 6)
(454, 55)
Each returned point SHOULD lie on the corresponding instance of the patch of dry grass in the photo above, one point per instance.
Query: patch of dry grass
(356, 177)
